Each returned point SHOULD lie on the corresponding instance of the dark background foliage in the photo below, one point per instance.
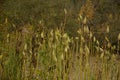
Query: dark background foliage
(51, 14)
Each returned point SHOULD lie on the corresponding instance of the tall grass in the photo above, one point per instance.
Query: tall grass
(53, 55)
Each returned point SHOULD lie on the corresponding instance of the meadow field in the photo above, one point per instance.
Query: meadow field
(59, 39)
(54, 55)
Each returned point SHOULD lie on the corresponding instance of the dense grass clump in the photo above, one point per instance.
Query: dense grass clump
(42, 54)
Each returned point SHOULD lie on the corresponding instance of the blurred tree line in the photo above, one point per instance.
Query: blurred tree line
(14, 14)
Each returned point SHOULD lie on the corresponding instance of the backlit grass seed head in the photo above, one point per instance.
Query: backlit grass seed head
(65, 11)
(87, 49)
(25, 47)
(80, 16)
(37, 35)
(82, 39)
(65, 35)
(62, 56)
(107, 52)
(51, 38)
(86, 29)
(85, 21)
(87, 65)
(102, 55)
(79, 31)
(57, 38)
(94, 39)
(97, 42)
(119, 36)
(23, 53)
(30, 51)
(57, 35)
(66, 39)
(91, 35)
(51, 32)
(42, 35)
(66, 48)
(76, 38)
(81, 50)
(78, 19)
(54, 46)
(6, 20)
(113, 47)
(97, 48)
(106, 39)
(40, 22)
(113, 56)
(108, 29)
(57, 32)
(54, 56)
(101, 50)
(8, 35)
(109, 45)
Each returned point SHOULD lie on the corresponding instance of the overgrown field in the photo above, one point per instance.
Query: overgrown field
(39, 54)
